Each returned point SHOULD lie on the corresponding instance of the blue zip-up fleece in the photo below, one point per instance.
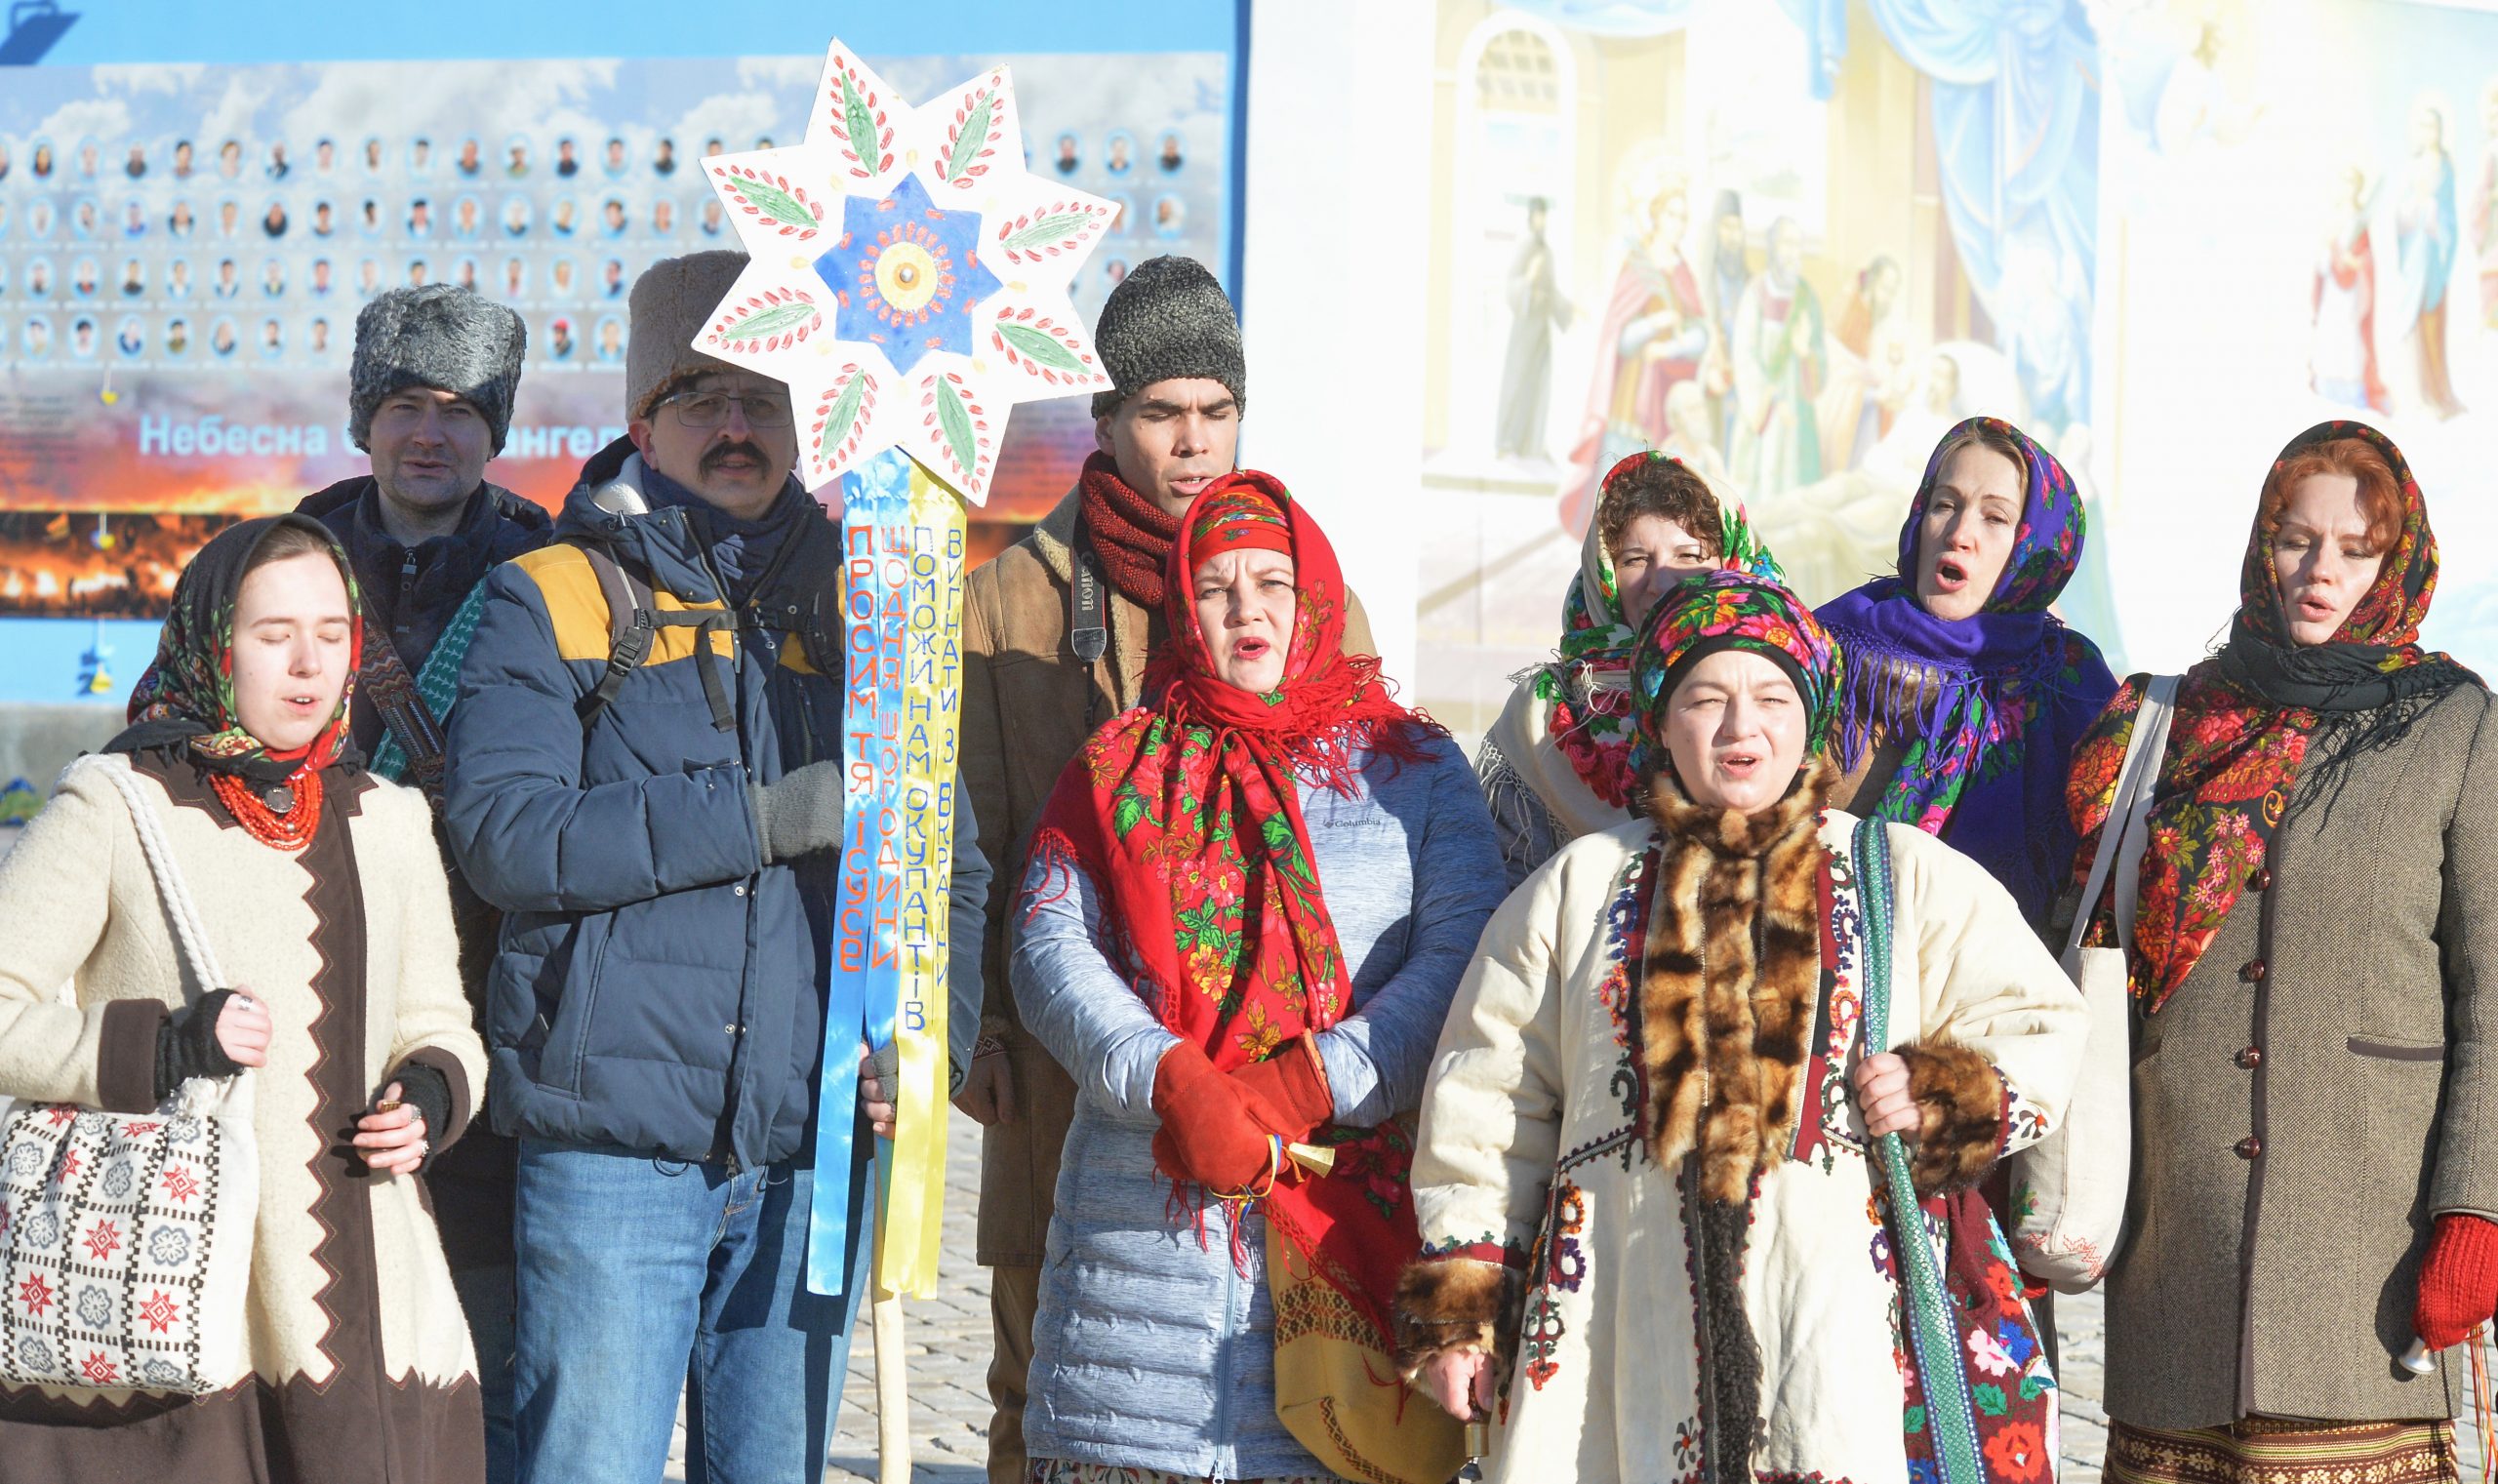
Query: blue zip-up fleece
(658, 987)
(1150, 1349)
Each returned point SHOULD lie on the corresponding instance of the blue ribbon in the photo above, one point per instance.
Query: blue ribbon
(862, 990)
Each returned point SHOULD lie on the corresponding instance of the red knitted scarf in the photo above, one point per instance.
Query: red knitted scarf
(1131, 534)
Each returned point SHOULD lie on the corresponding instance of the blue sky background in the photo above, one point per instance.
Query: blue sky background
(322, 30)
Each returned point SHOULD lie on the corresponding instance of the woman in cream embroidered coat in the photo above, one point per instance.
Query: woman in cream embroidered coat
(332, 913)
(1642, 1178)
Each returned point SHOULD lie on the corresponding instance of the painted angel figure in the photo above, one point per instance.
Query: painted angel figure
(1871, 372)
(1537, 311)
(2427, 237)
(2342, 356)
(2484, 208)
(1780, 363)
(1654, 330)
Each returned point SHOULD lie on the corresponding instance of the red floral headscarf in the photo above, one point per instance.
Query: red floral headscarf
(1184, 812)
(2245, 725)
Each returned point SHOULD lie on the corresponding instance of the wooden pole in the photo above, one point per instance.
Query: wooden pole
(893, 1391)
(893, 1368)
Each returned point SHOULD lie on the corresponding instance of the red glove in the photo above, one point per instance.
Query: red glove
(2458, 1280)
(1214, 1129)
(1294, 1083)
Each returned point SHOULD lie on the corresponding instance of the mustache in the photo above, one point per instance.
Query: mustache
(711, 457)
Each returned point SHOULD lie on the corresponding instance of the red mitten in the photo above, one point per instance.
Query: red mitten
(1214, 1129)
(1294, 1083)
(2458, 1280)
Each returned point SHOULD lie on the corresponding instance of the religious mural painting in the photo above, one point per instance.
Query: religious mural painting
(1791, 243)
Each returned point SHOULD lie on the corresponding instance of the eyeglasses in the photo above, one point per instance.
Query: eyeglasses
(710, 409)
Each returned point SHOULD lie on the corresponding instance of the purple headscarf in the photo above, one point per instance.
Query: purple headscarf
(1990, 705)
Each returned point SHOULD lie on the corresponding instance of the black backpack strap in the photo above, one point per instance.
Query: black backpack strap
(632, 624)
(706, 664)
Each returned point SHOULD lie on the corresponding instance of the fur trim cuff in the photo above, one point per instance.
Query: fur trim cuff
(1961, 1114)
(1449, 1304)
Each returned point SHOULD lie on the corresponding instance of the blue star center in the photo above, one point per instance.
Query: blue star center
(907, 275)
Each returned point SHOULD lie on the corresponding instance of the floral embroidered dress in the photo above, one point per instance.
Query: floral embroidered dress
(1639, 1117)
(1531, 1142)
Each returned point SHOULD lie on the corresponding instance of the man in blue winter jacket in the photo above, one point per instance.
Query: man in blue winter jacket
(661, 829)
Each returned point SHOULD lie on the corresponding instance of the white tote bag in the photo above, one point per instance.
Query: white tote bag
(2069, 1188)
(126, 1238)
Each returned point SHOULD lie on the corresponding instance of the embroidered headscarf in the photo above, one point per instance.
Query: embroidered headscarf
(1730, 610)
(1238, 518)
(1184, 812)
(2246, 722)
(1990, 705)
(188, 694)
(1586, 691)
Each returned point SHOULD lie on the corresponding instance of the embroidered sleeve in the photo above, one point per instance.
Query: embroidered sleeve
(1491, 1119)
(1987, 986)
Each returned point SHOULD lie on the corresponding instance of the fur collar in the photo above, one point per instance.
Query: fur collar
(1054, 536)
(1730, 978)
(1730, 832)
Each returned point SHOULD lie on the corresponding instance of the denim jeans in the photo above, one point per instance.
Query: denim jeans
(486, 1298)
(642, 1280)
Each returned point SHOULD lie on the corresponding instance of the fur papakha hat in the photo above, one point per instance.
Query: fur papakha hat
(1168, 318)
(440, 336)
(673, 300)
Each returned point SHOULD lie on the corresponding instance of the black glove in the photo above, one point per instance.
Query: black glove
(423, 1087)
(188, 1048)
(800, 814)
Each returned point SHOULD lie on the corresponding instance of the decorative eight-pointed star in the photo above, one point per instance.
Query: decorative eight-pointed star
(907, 276)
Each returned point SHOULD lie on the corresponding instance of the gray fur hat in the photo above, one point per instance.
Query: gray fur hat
(1168, 318)
(673, 300)
(440, 336)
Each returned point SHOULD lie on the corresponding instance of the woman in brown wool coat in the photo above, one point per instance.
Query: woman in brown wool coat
(2313, 964)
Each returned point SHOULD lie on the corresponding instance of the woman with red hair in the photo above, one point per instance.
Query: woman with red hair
(2312, 962)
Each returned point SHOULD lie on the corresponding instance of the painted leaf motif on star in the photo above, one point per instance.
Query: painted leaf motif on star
(959, 427)
(843, 416)
(768, 322)
(771, 197)
(956, 421)
(859, 118)
(1036, 344)
(978, 122)
(1050, 231)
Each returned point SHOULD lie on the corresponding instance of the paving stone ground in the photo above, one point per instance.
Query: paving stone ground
(948, 1339)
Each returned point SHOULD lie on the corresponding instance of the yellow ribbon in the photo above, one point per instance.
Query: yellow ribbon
(922, 876)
